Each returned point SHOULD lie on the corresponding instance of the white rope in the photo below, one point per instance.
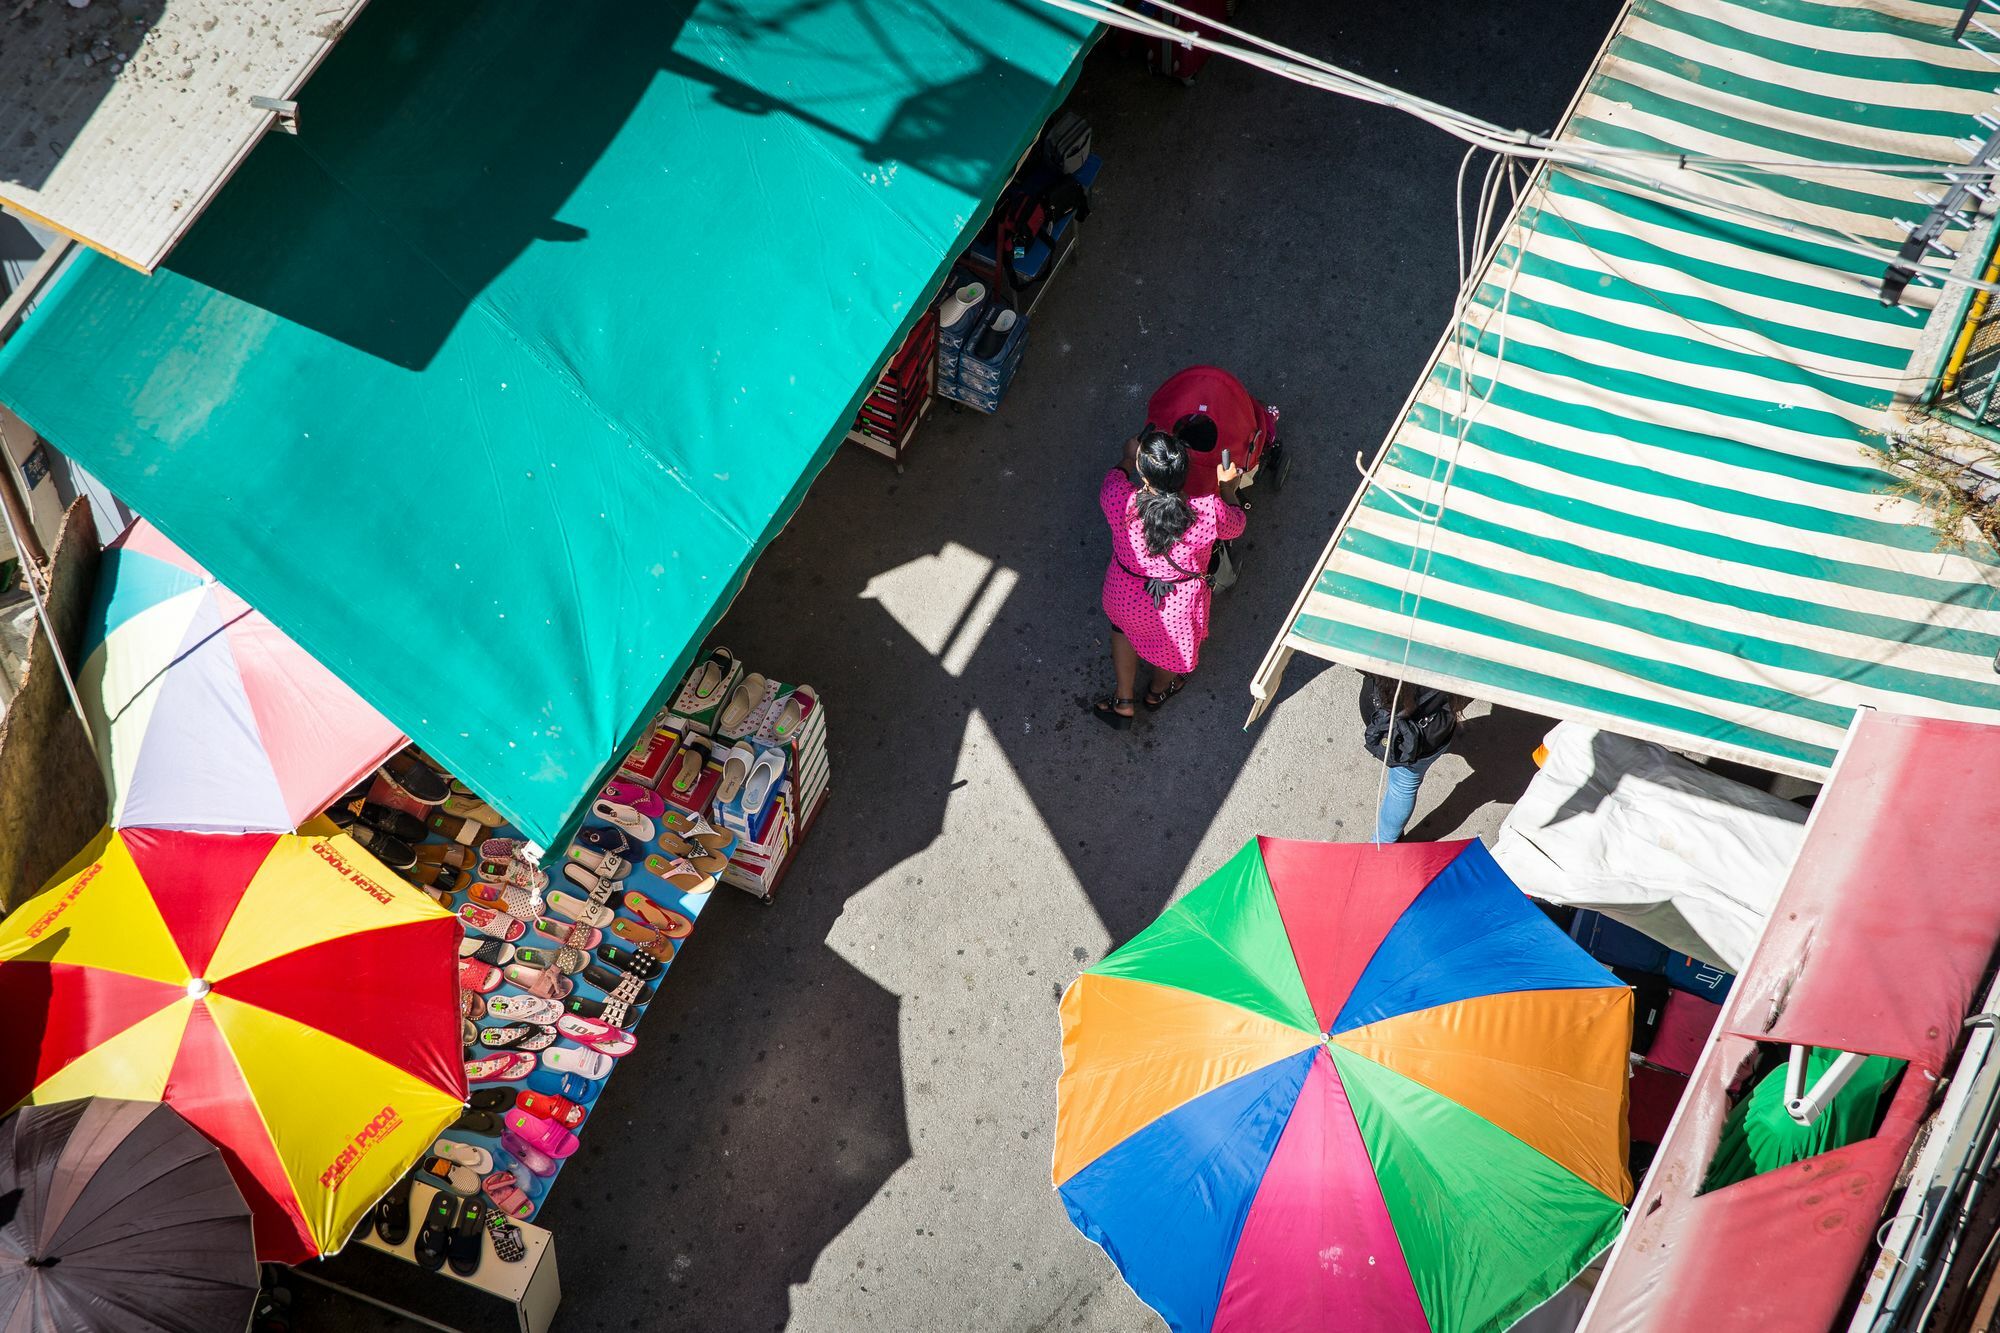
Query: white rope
(1486, 233)
(1623, 164)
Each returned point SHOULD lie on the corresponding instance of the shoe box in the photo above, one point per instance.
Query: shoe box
(897, 401)
(980, 382)
(647, 762)
(810, 770)
(765, 843)
(755, 865)
(696, 799)
(731, 815)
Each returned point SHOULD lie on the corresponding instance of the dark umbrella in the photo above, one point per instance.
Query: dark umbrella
(119, 1215)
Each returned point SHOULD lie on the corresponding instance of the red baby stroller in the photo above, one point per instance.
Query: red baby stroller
(1211, 411)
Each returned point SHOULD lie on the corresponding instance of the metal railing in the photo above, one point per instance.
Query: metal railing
(1967, 387)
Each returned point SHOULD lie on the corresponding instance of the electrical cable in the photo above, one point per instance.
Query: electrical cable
(1486, 234)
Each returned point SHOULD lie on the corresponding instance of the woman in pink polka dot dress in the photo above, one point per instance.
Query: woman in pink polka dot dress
(1154, 591)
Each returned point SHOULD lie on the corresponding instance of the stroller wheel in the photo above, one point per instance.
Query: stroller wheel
(1276, 464)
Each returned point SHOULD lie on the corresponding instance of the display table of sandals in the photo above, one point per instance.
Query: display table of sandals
(558, 961)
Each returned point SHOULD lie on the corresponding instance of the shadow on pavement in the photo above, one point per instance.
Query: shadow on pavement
(1500, 749)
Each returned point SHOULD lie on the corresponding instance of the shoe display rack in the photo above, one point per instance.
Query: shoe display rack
(558, 964)
(980, 350)
(901, 398)
(969, 354)
(521, 1295)
(751, 751)
(1037, 260)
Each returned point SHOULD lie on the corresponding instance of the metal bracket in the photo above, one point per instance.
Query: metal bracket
(286, 111)
(1955, 208)
(1804, 1104)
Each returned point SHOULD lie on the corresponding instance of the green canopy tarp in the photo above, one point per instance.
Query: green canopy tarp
(1760, 1135)
(489, 386)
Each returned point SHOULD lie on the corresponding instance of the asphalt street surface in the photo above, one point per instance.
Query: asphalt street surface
(840, 1113)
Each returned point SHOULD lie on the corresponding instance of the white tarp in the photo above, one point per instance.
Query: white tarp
(1690, 857)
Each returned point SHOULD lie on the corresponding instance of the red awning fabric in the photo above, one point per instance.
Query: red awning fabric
(1884, 928)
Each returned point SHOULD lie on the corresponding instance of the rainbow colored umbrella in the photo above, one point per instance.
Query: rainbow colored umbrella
(205, 715)
(1346, 1086)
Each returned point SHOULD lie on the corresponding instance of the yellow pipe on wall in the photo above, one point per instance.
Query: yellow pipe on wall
(1949, 379)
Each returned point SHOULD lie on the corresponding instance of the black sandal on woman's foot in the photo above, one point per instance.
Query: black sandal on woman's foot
(1155, 699)
(1107, 713)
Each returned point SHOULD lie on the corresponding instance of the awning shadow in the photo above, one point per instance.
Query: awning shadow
(441, 141)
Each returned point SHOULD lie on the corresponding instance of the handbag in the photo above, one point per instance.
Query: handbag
(1413, 737)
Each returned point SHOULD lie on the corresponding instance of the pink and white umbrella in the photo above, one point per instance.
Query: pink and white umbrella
(206, 716)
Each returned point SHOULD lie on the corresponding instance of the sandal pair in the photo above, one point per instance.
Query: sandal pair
(503, 1190)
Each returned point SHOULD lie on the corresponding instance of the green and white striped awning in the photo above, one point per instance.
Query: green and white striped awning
(1668, 520)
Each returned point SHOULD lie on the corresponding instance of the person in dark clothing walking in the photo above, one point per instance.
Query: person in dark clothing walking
(1424, 725)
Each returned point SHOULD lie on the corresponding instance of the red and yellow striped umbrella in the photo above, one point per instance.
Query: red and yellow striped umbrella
(292, 999)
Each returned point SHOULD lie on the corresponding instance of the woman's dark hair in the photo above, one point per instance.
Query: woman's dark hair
(1164, 510)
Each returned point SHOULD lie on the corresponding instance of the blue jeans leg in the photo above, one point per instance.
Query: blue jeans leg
(1399, 800)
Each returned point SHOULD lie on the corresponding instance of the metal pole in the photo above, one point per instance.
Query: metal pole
(29, 543)
(36, 583)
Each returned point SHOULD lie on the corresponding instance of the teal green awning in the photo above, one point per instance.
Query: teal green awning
(1644, 483)
(489, 386)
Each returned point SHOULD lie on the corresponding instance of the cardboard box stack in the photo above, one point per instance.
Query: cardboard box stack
(966, 377)
(691, 776)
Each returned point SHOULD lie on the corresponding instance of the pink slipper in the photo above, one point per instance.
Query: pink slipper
(492, 921)
(506, 1194)
(546, 1135)
(477, 977)
(596, 1034)
(500, 1068)
(527, 1154)
(642, 799)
